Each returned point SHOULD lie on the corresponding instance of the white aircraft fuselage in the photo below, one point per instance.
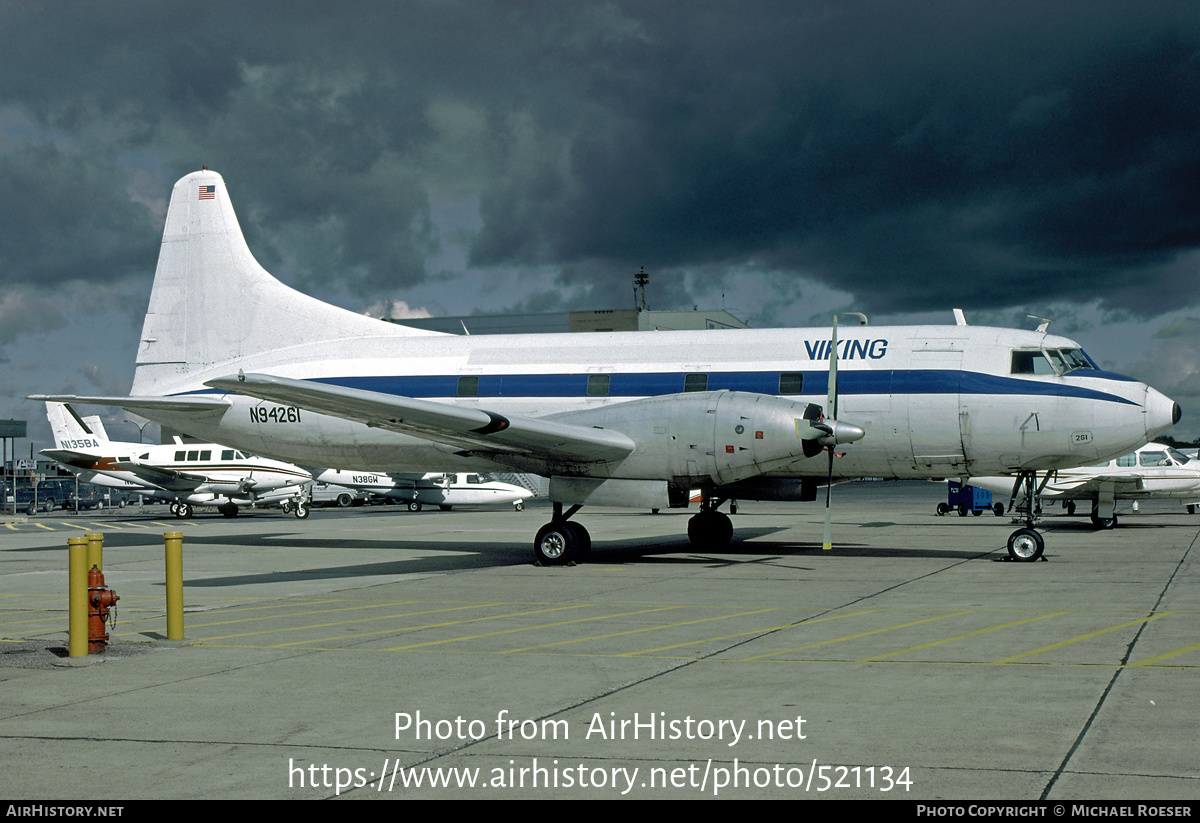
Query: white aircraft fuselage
(429, 488)
(933, 400)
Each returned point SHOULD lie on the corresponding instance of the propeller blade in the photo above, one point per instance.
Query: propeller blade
(831, 405)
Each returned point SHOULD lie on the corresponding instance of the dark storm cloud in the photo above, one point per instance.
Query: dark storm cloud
(912, 154)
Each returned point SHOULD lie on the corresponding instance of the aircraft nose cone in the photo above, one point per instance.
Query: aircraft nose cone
(1161, 413)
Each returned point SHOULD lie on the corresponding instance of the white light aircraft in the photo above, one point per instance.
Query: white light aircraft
(1152, 472)
(635, 419)
(444, 490)
(187, 474)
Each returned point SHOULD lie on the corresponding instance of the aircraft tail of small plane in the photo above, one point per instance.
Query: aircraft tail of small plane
(74, 432)
(212, 303)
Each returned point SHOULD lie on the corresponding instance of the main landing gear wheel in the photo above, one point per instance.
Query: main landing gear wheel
(1025, 545)
(1104, 522)
(414, 505)
(301, 510)
(183, 510)
(560, 542)
(228, 509)
(710, 529)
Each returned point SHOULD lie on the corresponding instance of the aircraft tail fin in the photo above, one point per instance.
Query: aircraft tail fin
(72, 431)
(212, 304)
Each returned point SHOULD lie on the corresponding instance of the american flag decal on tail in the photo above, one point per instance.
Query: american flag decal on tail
(208, 192)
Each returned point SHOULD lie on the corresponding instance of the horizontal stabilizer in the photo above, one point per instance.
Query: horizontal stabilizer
(467, 428)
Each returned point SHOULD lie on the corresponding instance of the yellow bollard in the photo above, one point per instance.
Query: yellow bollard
(174, 548)
(95, 555)
(77, 621)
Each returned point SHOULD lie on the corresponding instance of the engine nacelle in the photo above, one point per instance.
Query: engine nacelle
(714, 438)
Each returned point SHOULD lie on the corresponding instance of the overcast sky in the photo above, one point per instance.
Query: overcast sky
(783, 160)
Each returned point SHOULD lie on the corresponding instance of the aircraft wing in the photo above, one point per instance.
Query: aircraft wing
(169, 479)
(472, 429)
(136, 404)
(1119, 483)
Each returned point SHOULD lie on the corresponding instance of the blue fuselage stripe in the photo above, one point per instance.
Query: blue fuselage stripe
(652, 384)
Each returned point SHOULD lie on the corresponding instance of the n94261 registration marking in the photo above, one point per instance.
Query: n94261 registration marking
(274, 414)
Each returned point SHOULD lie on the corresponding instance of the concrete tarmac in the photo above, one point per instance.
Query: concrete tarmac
(377, 653)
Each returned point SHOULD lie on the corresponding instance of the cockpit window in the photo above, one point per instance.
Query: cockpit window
(1076, 359)
(1164, 457)
(1050, 361)
(1030, 362)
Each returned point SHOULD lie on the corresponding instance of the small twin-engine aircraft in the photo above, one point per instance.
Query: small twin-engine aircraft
(1153, 471)
(228, 353)
(187, 474)
(444, 490)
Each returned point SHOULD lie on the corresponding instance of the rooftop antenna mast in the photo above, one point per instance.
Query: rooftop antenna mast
(640, 281)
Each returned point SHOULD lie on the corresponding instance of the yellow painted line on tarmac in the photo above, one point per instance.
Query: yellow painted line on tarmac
(1159, 658)
(317, 625)
(393, 630)
(976, 633)
(1071, 641)
(860, 634)
(637, 631)
(532, 628)
(73, 526)
(746, 634)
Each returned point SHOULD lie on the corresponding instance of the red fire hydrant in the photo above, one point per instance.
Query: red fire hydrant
(100, 600)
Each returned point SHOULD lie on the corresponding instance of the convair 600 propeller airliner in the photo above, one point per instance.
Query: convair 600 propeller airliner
(230, 354)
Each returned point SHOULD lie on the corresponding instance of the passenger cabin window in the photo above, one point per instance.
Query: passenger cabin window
(597, 385)
(206, 455)
(1127, 461)
(1154, 458)
(791, 382)
(193, 455)
(475, 479)
(468, 386)
(180, 456)
(695, 382)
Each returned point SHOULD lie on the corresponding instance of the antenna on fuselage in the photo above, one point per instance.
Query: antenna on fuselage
(1045, 324)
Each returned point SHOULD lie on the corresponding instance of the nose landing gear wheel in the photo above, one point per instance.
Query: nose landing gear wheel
(1025, 545)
